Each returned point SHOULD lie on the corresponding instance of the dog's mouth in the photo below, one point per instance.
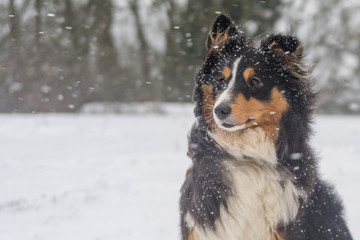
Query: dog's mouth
(228, 125)
(232, 126)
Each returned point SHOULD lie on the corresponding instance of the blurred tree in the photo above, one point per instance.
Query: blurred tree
(38, 20)
(143, 42)
(73, 58)
(58, 55)
(108, 79)
(70, 60)
(14, 80)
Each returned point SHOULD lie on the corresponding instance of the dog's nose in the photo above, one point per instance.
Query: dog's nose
(223, 111)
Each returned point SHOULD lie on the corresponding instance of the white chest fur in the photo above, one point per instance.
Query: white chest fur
(258, 204)
(262, 198)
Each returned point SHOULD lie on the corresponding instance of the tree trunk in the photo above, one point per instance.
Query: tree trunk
(13, 83)
(38, 22)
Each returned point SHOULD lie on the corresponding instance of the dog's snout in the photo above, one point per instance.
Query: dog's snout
(223, 111)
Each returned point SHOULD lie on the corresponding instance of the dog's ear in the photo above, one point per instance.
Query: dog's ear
(289, 50)
(220, 33)
(287, 47)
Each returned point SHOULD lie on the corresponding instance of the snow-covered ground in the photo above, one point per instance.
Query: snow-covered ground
(102, 177)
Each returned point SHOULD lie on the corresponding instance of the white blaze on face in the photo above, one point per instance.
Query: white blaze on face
(225, 97)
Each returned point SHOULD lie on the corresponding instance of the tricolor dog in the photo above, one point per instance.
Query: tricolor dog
(254, 174)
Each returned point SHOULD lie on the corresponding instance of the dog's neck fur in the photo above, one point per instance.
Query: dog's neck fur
(245, 144)
(259, 189)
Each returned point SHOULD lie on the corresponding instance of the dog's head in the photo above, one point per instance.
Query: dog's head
(242, 87)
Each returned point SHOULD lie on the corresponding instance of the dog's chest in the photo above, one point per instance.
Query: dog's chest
(261, 199)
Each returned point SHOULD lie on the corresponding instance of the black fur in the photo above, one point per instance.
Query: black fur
(320, 216)
(205, 188)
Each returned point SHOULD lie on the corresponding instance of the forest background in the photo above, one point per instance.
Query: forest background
(57, 56)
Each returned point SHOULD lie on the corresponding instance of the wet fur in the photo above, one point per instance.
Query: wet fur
(231, 169)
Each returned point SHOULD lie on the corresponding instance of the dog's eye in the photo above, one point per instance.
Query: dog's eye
(222, 82)
(254, 81)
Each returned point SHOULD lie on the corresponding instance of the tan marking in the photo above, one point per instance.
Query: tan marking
(276, 48)
(248, 73)
(226, 72)
(266, 115)
(191, 236)
(272, 45)
(219, 41)
(276, 236)
(293, 60)
(208, 105)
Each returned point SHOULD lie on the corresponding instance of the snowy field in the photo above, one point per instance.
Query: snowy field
(117, 176)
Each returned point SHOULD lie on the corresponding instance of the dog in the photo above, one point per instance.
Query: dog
(254, 174)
